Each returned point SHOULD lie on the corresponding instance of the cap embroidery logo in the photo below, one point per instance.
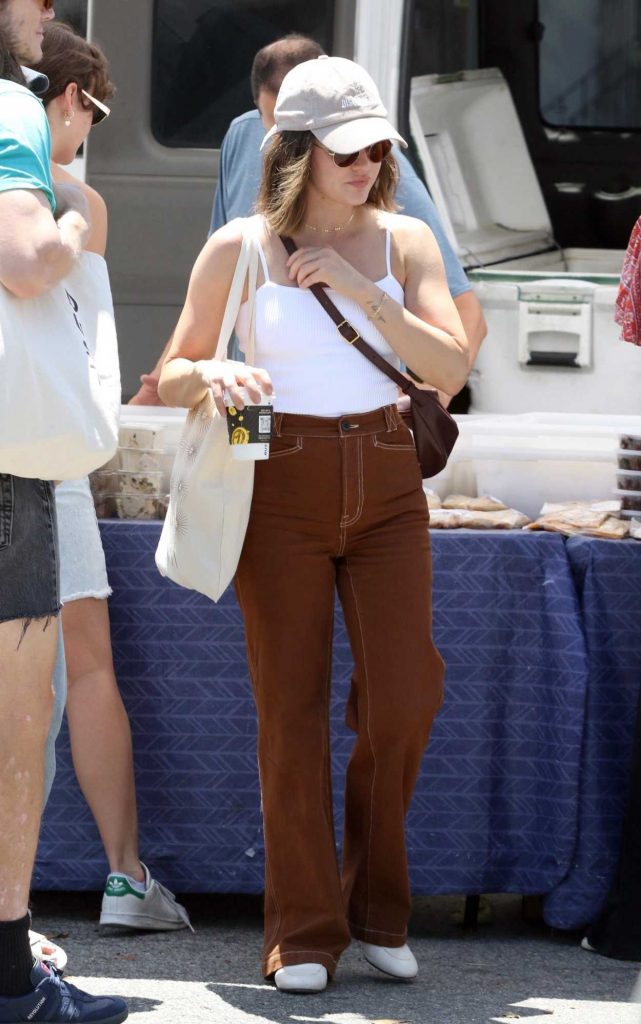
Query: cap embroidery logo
(359, 98)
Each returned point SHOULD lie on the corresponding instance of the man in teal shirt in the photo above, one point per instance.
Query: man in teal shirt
(36, 253)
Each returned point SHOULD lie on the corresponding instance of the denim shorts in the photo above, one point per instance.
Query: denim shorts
(29, 574)
(83, 572)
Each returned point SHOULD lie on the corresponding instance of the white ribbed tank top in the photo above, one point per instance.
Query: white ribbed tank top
(314, 371)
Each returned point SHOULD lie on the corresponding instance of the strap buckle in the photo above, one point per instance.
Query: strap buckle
(346, 323)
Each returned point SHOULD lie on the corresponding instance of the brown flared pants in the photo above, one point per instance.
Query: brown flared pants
(339, 504)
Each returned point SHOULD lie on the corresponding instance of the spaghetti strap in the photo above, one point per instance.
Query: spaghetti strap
(262, 260)
(388, 248)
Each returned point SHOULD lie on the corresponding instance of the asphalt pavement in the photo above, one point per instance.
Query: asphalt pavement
(510, 969)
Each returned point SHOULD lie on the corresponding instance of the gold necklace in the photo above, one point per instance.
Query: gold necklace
(328, 231)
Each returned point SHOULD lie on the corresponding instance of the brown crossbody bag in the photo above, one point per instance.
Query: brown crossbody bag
(434, 430)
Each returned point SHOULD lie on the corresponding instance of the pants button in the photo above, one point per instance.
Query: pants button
(346, 425)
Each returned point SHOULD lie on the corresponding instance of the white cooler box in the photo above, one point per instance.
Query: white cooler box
(552, 344)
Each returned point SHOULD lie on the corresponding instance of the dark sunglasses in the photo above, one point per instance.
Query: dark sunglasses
(375, 153)
(100, 109)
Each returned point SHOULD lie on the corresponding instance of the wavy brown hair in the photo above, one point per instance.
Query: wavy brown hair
(68, 57)
(9, 64)
(286, 172)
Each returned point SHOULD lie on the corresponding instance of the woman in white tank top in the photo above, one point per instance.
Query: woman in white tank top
(338, 506)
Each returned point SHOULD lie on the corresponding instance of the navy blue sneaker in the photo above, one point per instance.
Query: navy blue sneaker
(55, 1001)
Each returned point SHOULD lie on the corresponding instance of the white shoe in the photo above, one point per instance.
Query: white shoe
(585, 944)
(49, 952)
(155, 909)
(397, 962)
(301, 978)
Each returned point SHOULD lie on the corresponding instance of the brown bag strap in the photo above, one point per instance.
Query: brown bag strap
(348, 332)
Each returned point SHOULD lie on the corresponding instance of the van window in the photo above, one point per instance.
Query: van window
(74, 13)
(589, 67)
(202, 56)
(444, 36)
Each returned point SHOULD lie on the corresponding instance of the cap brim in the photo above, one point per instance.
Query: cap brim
(350, 136)
(270, 135)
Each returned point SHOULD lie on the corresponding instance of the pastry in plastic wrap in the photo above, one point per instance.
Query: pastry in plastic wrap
(433, 500)
(592, 519)
(460, 518)
(484, 503)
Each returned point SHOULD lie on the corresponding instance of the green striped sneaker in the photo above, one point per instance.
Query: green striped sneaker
(154, 909)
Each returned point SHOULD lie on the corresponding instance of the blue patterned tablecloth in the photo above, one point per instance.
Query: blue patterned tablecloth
(496, 805)
(608, 581)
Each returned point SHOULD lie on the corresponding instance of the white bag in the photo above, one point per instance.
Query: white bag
(59, 379)
(210, 492)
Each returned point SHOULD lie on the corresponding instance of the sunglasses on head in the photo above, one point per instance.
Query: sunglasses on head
(100, 110)
(375, 153)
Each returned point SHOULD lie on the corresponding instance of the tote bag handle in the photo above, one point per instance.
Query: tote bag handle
(246, 269)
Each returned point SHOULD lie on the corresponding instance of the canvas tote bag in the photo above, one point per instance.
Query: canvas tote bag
(59, 378)
(210, 493)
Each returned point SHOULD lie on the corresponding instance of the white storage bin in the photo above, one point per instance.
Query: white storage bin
(528, 459)
(552, 343)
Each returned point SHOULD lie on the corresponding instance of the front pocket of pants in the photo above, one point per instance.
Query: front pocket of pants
(400, 446)
(281, 446)
(6, 509)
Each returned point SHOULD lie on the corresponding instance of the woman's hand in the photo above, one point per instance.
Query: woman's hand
(147, 393)
(220, 376)
(323, 265)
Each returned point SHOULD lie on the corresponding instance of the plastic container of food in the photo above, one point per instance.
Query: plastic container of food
(139, 483)
(630, 442)
(105, 505)
(130, 506)
(629, 459)
(102, 481)
(146, 438)
(141, 506)
(141, 460)
(629, 480)
(630, 501)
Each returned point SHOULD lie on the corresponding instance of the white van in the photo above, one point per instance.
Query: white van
(182, 72)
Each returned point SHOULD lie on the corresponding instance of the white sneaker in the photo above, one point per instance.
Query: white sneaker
(585, 944)
(398, 963)
(301, 978)
(155, 909)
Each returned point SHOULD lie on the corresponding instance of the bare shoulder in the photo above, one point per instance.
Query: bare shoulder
(95, 200)
(414, 242)
(223, 246)
(409, 232)
(96, 241)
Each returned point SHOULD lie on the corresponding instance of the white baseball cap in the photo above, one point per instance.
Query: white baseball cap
(337, 101)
